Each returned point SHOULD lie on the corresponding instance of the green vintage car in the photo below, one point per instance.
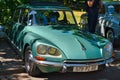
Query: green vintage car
(49, 40)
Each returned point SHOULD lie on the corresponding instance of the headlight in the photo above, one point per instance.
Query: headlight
(42, 49)
(48, 50)
(53, 51)
(108, 49)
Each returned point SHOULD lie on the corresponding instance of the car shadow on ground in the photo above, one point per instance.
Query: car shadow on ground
(98, 75)
(10, 61)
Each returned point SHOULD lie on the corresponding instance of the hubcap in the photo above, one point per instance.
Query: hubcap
(28, 63)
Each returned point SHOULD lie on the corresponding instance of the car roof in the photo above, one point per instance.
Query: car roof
(45, 5)
(111, 2)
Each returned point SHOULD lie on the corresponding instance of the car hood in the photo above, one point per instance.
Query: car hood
(74, 44)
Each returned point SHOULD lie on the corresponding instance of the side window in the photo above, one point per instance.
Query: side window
(66, 17)
(16, 15)
(61, 15)
(32, 18)
(23, 16)
(69, 17)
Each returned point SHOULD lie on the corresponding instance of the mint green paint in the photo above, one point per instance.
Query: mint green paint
(67, 42)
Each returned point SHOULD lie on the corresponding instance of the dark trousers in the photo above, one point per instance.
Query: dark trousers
(92, 20)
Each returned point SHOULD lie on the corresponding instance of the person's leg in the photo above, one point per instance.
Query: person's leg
(92, 19)
(94, 23)
(91, 22)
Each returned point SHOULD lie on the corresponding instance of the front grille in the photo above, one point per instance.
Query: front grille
(68, 61)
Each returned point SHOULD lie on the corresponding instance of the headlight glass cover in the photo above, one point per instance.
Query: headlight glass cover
(41, 49)
(48, 50)
(53, 51)
(108, 49)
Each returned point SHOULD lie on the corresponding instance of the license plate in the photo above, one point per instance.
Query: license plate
(85, 68)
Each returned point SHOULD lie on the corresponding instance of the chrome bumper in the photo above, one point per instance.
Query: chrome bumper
(57, 64)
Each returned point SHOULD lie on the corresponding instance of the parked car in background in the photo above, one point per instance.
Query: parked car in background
(2, 31)
(109, 22)
(49, 40)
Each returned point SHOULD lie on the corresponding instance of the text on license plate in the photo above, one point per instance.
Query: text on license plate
(85, 68)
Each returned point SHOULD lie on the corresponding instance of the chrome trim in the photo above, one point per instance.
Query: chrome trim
(57, 64)
(83, 61)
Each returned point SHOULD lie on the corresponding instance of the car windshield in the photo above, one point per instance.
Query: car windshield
(51, 17)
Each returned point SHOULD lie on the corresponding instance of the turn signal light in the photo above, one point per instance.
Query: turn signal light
(39, 58)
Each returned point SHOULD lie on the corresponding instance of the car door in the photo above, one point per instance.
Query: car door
(18, 24)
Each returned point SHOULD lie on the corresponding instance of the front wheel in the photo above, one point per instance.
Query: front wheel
(31, 68)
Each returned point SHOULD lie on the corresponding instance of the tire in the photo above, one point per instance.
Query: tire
(31, 67)
(110, 35)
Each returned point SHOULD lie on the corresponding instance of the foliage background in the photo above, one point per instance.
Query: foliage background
(7, 7)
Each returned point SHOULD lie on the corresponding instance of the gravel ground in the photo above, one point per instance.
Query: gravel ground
(11, 65)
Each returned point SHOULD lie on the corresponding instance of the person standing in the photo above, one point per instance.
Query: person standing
(92, 8)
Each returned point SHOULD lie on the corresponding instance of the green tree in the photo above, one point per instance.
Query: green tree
(7, 7)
